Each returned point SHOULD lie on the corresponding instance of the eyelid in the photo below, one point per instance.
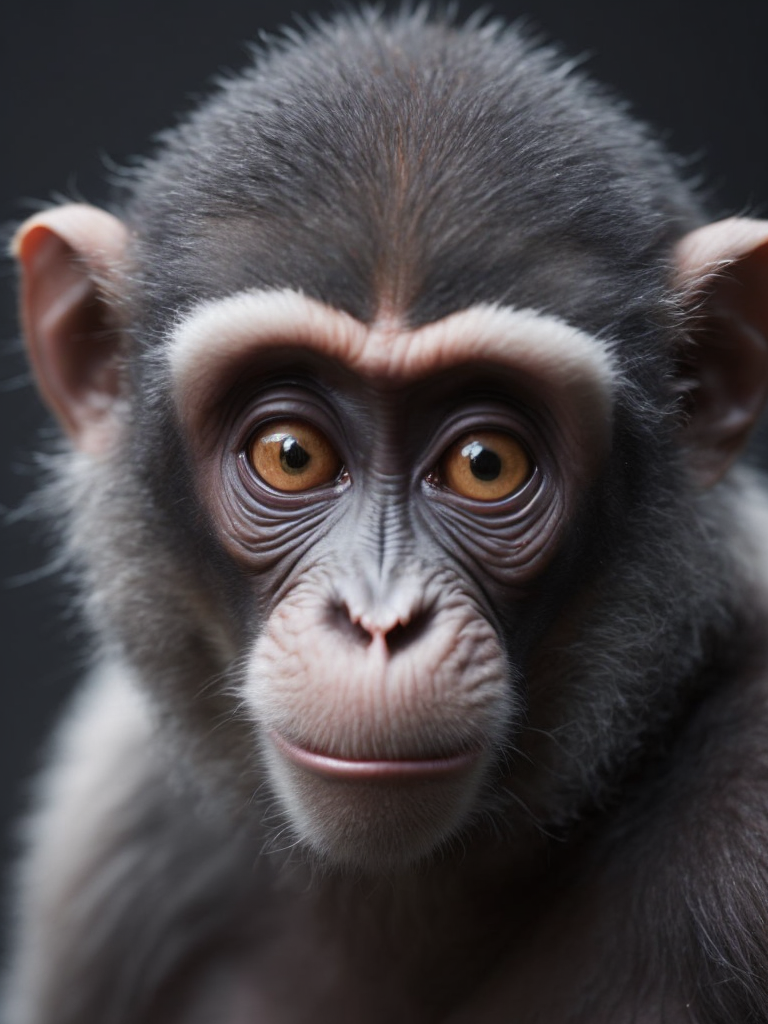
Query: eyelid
(287, 400)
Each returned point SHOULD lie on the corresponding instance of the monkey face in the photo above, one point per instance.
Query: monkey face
(392, 496)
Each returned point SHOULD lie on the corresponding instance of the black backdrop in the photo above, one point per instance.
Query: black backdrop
(84, 85)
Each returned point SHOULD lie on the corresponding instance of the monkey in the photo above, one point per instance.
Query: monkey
(403, 390)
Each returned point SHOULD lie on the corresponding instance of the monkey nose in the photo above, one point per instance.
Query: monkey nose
(388, 630)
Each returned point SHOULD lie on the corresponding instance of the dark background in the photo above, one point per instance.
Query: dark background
(83, 86)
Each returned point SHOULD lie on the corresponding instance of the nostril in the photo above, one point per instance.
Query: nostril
(403, 634)
(348, 625)
(397, 632)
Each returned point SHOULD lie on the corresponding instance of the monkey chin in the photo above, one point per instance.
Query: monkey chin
(373, 816)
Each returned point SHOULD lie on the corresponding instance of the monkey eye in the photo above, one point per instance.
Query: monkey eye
(291, 455)
(485, 465)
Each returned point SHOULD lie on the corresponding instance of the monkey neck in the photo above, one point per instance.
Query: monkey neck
(404, 934)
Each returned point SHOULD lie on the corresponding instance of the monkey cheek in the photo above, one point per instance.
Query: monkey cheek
(377, 824)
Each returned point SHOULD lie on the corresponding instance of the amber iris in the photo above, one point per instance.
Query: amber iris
(486, 465)
(291, 455)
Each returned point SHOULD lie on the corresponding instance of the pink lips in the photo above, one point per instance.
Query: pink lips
(372, 771)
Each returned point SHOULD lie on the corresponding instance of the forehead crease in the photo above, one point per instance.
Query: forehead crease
(219, 332)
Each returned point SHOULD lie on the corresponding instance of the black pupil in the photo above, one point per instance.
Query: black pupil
(293, 458)
(484, 463)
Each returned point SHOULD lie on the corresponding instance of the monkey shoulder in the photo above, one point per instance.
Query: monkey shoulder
(685, 868)
(111, 834)
(657, 912)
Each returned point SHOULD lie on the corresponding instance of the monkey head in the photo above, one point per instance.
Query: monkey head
(401, 385)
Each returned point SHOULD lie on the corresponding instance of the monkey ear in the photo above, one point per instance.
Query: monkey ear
(67, 257)
(722, 272)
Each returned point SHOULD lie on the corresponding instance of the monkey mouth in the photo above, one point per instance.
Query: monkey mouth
(375, 770)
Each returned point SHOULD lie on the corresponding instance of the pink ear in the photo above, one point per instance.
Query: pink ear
(68, 255)
(722, 272)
